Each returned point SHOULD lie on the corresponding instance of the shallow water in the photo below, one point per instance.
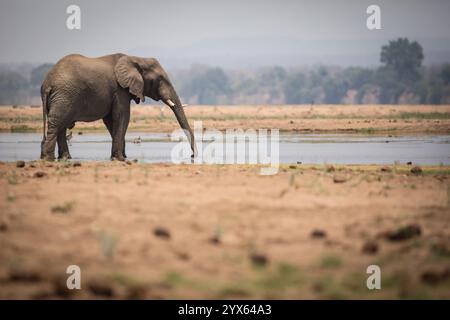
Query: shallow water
(306, 148)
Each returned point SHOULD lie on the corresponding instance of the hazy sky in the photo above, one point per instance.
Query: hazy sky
(223, 33)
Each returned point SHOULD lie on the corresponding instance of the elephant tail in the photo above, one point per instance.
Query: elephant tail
(44, 96)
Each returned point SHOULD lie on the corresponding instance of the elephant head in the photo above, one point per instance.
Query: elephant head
(145, 77)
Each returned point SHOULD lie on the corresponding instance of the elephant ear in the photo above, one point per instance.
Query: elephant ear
(128, 76)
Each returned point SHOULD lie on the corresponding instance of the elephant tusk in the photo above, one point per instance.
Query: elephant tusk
(170, 103)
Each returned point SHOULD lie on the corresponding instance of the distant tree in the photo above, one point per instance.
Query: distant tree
(272, 76)
(38, 74)
(294, 88)
(208, 85)
(390, 87)
(445, 74)
(404, 57)
(357, 77)
(13, 88)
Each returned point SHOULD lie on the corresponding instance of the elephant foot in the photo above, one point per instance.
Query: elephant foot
(118, 158)
(65, 156)
(48, 157)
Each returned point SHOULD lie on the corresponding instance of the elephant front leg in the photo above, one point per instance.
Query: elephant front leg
(120, 120)
(109, 125)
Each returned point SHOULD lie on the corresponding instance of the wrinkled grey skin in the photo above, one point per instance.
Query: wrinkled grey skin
(79, 88)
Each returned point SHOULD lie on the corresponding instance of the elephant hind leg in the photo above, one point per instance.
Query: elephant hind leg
(63, 148)
(49, 144)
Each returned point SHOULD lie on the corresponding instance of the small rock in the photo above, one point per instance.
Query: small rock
(416, 170)
(370, 247)
(60, 287)
(162, 233)
(76, 164)
(259, 259)
(441, 249)
(386, 169)
(100, 288)
(4, 226)
(339, 178)
(182, 255)
(39, 174)
(20, 164)
(137, 292)
(434, 277)
(215, 240)
(318, 233)
(24, 275)
(404, 233)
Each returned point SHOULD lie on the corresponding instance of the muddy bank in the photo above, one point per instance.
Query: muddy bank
(304, 118)
(191, 231)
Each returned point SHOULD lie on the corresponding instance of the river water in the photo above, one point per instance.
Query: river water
(305, 148)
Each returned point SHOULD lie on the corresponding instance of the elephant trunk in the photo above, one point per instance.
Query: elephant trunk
(173, 101)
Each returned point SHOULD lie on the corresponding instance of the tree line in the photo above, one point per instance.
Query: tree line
(401, 79)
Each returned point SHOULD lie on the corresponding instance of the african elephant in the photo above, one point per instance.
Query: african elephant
(79, 88)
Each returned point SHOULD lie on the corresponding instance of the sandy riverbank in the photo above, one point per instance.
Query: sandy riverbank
(395, 119)
(191, 231)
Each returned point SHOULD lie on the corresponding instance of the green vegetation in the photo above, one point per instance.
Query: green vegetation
(330, 262)
(66, 207)
(108, 241)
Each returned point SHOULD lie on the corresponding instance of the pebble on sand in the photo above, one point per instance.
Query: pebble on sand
(404, 233)
(339, 178)
(214, 240)
(161, 233)
(370, 247)
(318, 233)
(259, 259)
(20, 164)
(39, 174)
(3, 226)
(24, 275)
(101, 288)
(416, 170)
(434, 277)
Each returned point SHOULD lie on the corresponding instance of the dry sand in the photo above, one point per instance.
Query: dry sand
(198, 231)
